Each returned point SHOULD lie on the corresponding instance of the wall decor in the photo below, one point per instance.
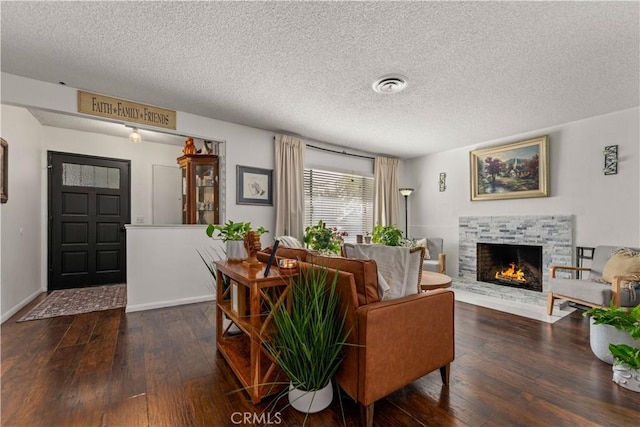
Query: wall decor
(611, 160)
(254, 186)
(4, 171)
(511, 171)
(122, 109)
(442, 182)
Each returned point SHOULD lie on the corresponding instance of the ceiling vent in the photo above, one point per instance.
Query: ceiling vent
(390, 84)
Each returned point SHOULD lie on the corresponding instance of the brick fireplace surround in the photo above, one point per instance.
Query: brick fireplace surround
(553, 232)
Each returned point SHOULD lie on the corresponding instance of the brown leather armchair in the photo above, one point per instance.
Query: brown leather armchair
(394, 342)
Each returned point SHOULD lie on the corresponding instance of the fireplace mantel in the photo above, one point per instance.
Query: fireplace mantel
(553, 232)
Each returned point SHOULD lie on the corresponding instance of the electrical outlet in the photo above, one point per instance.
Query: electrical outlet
(139, 220)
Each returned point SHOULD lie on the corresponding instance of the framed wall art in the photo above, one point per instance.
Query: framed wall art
(254, 186)
(511, 171)
(4, 171)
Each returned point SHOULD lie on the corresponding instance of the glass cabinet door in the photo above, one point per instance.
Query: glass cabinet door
(185, 200)
(199, 188)
(205, 202)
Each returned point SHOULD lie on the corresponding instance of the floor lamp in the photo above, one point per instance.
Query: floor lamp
(405, 192)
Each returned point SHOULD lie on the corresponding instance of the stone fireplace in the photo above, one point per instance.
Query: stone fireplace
(519, 266)
(552, 234)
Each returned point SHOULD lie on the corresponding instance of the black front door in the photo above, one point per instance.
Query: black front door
(88, 207)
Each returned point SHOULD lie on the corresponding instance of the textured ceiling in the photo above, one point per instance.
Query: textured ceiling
(477, 70)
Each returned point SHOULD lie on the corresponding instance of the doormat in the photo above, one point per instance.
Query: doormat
(66, 302)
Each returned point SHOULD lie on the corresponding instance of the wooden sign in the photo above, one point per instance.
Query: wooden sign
(120, 109)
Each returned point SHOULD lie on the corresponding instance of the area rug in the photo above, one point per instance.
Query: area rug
(75, 301)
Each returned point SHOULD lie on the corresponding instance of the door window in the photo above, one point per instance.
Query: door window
(90, 176)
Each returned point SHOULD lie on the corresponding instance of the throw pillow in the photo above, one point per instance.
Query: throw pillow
(290, 242)
(624, 261)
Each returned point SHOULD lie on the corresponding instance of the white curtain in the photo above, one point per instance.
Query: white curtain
(385, 196)
(290, 186)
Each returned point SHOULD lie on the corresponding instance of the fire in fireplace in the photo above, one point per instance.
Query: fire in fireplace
(510, 265)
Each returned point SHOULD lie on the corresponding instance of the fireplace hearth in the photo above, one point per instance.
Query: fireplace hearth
(518, 266)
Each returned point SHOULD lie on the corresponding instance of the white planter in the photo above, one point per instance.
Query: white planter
(311, 401)
(627, 378)
(236, 251)
(600, 336)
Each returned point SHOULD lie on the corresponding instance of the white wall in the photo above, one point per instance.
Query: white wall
(20, 224)
(606, 209)
(164, 268)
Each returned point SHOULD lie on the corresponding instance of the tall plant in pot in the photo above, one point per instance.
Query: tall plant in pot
(309, 337)
(613, 325)
(233, 234)
(618, 330)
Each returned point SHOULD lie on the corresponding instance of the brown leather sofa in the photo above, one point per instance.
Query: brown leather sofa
(395, 342)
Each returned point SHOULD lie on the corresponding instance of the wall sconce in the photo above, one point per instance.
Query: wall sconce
(134, 136)
(610, 160)
(442, 182)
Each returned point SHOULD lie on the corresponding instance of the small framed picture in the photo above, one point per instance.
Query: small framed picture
(4, 171)
(254, 186)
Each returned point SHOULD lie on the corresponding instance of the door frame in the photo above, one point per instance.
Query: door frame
(50, 215)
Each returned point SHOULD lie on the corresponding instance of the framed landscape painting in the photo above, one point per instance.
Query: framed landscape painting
(511, 171)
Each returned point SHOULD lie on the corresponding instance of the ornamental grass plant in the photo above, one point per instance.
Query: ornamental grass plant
(310, 335)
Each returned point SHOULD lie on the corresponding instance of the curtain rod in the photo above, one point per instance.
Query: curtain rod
(340, 152)
(337, 152)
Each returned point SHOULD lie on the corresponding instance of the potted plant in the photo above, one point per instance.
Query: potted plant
(308, 338)
(626, 369)
(388, 235)
(613, 325)
(233, 234)
(322, 239)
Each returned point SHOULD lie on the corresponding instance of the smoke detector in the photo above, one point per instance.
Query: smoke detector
(392, 83)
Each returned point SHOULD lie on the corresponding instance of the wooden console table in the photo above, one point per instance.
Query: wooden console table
(243, 296)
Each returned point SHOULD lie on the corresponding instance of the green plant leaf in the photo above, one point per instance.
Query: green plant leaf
(626, 355)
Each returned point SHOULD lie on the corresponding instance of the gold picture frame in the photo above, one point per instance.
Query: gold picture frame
(512, 171)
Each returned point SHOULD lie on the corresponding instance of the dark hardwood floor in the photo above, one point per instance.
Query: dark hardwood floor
(160, 368)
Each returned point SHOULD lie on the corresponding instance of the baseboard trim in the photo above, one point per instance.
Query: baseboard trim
(16, 308)
(170, 303)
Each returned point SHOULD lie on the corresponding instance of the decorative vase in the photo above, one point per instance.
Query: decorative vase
(310, 401)
(600, 336)
(235, 250)
(626, 377)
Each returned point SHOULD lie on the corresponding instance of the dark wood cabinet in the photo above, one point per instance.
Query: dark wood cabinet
(200, 199)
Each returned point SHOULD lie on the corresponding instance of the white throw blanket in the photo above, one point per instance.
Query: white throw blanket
(397, 275)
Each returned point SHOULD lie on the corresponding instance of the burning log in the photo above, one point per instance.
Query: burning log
(511, 275)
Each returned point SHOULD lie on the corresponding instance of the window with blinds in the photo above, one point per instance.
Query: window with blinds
(340, 200)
